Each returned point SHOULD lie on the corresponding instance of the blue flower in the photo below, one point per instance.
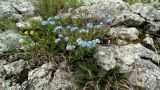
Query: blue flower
(57, 28)
(74, 29)
(83, 31)
(57, 40)
(70, 47)
(56, 17)
(97, 41)
(87, 44)
(60, 35)
(109, 19)
(94, 44)
(90, 44)
(101, 23)
(79, 41)
(50, 19)
(70, 10)
(54, 30)
(98, 27)
(84, 44)
(90, 25)
(52, 22)
(44, 23)
(66, 39)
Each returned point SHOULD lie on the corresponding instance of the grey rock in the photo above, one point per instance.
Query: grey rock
(147, 11)
(2, 62)
(148, 40)
(63, 80)
(121, 42)
(154, 26)
(150, 13)
(10, 8)
(131, 58)
(119, 11)
(145, 74)
(47, 77)
(25, 7)
(156, 4)
(40, 78)
(9, 40)
(134, 52)
(125, 33)
(106, 57)
(6, 85)
(12, 68)
(90, 2)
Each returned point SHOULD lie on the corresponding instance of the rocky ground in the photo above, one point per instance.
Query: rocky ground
(136, 50)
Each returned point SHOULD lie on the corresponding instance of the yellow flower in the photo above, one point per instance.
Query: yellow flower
(31, 32)
(26, 32)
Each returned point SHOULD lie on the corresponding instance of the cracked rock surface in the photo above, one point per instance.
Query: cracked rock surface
(123, 14)
(134, 58)
(14, 9)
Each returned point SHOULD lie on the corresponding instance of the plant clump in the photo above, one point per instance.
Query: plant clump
(74, 40)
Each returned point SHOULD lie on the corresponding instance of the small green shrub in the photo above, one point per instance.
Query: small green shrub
(92, 77)
(75, 39)
(67, 36)
(46, 8)
(7, 24)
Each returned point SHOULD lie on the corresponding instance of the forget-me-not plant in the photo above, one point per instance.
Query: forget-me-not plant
(83, 31)
(66, 39)
(44, 23)
(57, 40)
(70, 47)
(90, 25)
(73, 29)
(57, 28)
(56, 17)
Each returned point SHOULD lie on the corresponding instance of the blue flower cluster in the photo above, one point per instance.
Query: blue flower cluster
(109, 20)
(44, 23)
(80, 42)
(57, 28)
(100, 26)
(90, 25)
(60, 37)
(57, 40)
(70, 47)
(66, 39)
(83, 31)
(74, 29)
(88, 44)
(50, 20)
